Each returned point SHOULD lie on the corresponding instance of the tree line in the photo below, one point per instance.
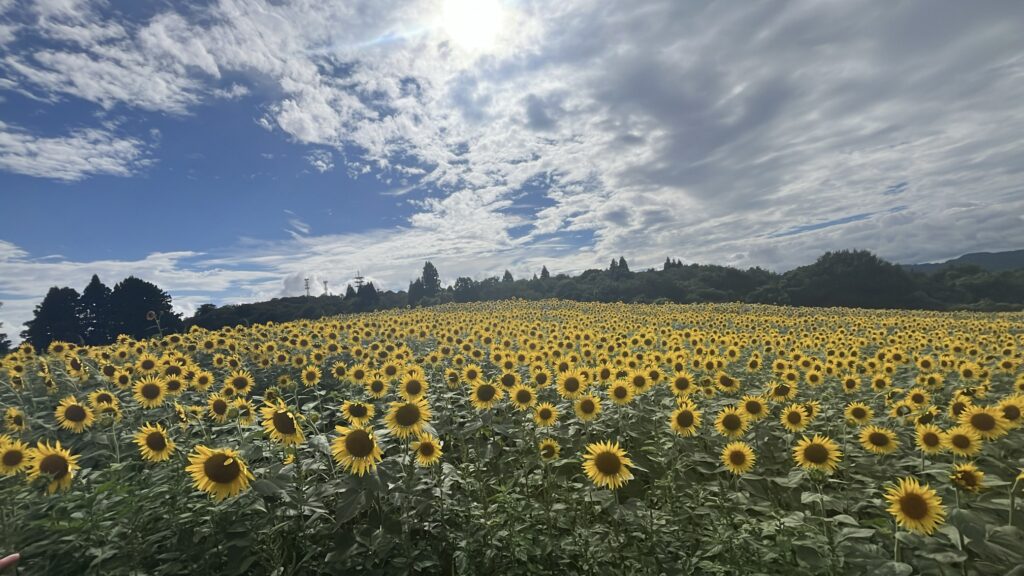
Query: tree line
(845, 278)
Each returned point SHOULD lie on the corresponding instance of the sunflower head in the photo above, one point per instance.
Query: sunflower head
(587, 407)
(818, 453)
(15, 456)
(357, 413)
(545, 414)
(427, 450)
(963, 441)
(220, 472)
(738, 458)
(549, 449)
(967, 477)
(282, 424)
(794, 418)
(607, 465)
(73, 415)
(356, 449)
(54, 464)
(685, 420)
(405, 419)
(485, 395)
(917, 508)
(731, 422)
(154, 443)
(929, 438)
(879, 440)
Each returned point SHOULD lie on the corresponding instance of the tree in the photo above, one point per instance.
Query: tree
(544, 274)
(5, 344)
(95, 307)
(57, 317)
(431, 280)
(415, 292)
(507, 277)
(623, 267)
(131, 303)
(350, 292)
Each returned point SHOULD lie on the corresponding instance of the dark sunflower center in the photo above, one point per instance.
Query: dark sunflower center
(75, 413)
(13, 458)
(284, 423)
(732, 422)
(608, 463)
(620, 392)
(858, 413)
(794, 417)
(54, 465)
(471, 374)
(782, 390)
(222, 469)
(485, 393)
(150, 391)
(725, 381)
(545, 414)
(359, 444)
(390, 370)
(684, 419)
(240, 383)
(413, 387)
(17, 420)
(682, 384)
(639, 381)
(220, 406)
(156, 442)
(173, 385)
(523, 396)
(508, 380)
(967, 478)
(358, 374)
(426, 449)
(123, 380)
(547, 451)
(983, 421)
(541, 378)
(571, 384)
(587, 406)
(357, 410)
(914, 506)
(917, 399)
(407, 415)
(930, 439)
(377, 386)
(737, 458)
(104, 398)
(1011, 412)
(816, 453)
(148, 365)
(878, 439)
(961, 441)
(752, 407)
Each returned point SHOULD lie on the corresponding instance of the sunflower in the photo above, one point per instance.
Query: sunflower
(154, 444)
(571, 384)
(406, 419)
(917, 508)
(640, 380)
(202, 381)
(587, 407)
(220, 472)
(731, 422)
(485, 395)
(356, 449)
(122, 378)
(375, 386)
(14, 419)
(817, 453)
(74, 416)
(545, 415)
(929, 439)
(427, 449)
(967, 477)
(102, 397)
(472, 374)
(508, 380)
(412, 387)
(281, 423)
(522, 396)
(54, 464)
(963, 441)
(246, 412)
(621, 392)
(879, 440)
(858, 413)
(607, 465)
(782, 391)
(794, 418)
(754, 407)
(15, 456)
(241, 380)
(681, 384)
(987, 421)
(549, 449)
(310, 376)
(150, 392)
(685, 420)
(1012, 409)
(738, 458)
(218, 406)
(357, 413)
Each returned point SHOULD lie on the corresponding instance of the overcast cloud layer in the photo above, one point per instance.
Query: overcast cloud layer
(726, 132)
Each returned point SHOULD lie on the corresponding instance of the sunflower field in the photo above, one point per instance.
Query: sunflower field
(525, 438)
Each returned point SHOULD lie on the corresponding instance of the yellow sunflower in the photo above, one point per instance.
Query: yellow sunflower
(794, 418)
(150, 392)
(15, 456)
(968, 477)
(549, 449)
(74, 416)
(817, 453)
(522, 396)
(406, 419)
(356, 449)
(375, 386)
(245, 411)
(154, 444)
(14, 419)
(621, 392)
(545, 415)
(587, 407)
(218, 408)
(54, 464)
(485, 395)
(682, 384)
(412, 387)
(427, 450)
(754, 407)
(241, 381)
(917, 508)
(738, 458)
(685, 420)
(220, 472)
(963, 441)
(607, 465)
(102, 397)
(281, 423)
(472, 374)
(879, 440)
(731, 423)
(571, 384)
(858, 413)
(987, 421)
(929, 439)
(357, 413)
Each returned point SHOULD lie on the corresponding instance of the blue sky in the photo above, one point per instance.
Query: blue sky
(228, 149)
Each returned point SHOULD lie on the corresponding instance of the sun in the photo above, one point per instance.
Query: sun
(473, 25)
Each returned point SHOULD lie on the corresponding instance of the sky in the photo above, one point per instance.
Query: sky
(227, 150)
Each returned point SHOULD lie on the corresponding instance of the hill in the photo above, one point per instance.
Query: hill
(989, 261)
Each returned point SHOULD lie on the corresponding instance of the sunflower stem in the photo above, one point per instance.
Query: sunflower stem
(1013, 496)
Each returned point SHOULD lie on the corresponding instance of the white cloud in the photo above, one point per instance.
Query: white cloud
(321, 160)
(81, 153)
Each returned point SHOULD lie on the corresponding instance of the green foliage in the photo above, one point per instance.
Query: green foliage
(57, 317)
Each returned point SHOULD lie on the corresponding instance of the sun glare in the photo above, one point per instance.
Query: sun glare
(472, 25)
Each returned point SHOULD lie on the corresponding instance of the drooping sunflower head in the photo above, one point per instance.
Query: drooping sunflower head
(917, 508)
(245, 411)
(282, 424)
(794, 417)
(549, 449)
(220, 472)
(15, 420)
(150, 392)
(545, 414)
(427, 449)
(879, 440)
(967, 477)
(685, 420)
(738, 458)
(154, 443)
(73, 415)
(607, 465)
(357, 413)
(817, 453)
(15, 456)
(356, 449)
(54, 464)
(485, 395)
(406, 419)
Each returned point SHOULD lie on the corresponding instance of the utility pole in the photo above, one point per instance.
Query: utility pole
(359, 279)
(326, 291)
(307, 287)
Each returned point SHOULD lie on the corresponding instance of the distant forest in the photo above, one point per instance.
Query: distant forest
(856, 279)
